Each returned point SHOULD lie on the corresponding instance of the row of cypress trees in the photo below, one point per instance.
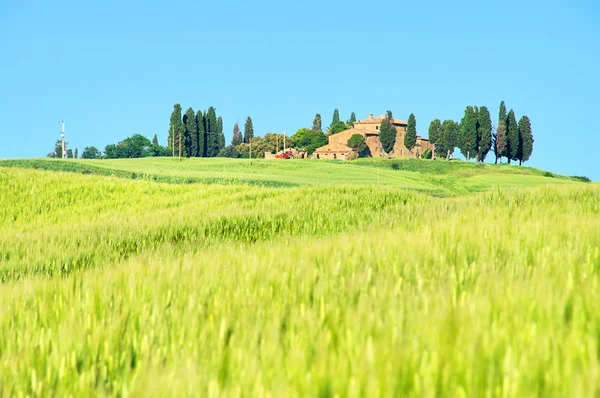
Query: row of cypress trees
(512, 140)
(197, 134)
(475, 135)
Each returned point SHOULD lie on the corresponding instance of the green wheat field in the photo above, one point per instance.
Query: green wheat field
(217, 277)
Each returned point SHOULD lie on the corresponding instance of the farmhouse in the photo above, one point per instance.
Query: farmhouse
(338, 148)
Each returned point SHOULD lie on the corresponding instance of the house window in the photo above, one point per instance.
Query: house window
(376, 127)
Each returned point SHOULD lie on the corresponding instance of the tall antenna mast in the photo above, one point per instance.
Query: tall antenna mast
(62, 135)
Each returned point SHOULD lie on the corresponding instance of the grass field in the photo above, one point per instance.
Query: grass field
(217, 278)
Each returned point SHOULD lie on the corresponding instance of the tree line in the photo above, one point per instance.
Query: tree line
(475, 136)
(200, 134)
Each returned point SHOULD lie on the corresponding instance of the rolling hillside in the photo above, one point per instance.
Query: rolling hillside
(304, 278)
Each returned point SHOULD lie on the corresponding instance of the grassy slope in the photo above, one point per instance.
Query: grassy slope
(198, 289)
(435, 178)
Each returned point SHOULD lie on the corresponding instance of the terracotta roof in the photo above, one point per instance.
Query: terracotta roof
(334, 148)
(422, 138)
(377, 120)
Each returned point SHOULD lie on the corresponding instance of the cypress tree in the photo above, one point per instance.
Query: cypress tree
(387, 135)
(484, 133)
(155, 140)
(237, 135)
(191, 134)
(502, 113)
(221, 135)
(410, 138)
(201, 137)
(76, 153)
(336, 117)
(212, 133)
(248, 130)
(525, 139)
(434, 134)
(317, 123)
(500, 141)
(176, 128)
(449, 136)
(513, 137)
(468, 133)
(352, 118)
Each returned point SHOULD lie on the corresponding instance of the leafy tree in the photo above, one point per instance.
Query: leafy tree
(468, 133)
(91, 152)
(220, 133)
(231, 151)
(337, 128)
(410, 138)
(513, 137)
(449, 137)
(500, 141)
(248, 130)
(176, 128)
(387, 134)
(136, 146)
(525, 139)
(357, 142)
(157, 150)
(212, 133)
(434, 134)
(57, 153)
(317, 123)
(352, 119)
(69, 154)
(191, 134)
(309, 139)
(237, 135)
(484, 133)
(201, 124)
(155, 140)
(335, 118)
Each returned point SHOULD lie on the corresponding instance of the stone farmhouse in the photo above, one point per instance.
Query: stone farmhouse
(338, 148)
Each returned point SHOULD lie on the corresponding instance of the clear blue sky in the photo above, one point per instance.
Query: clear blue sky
(114, 68)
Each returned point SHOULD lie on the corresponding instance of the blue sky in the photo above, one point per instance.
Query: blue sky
(114, 68)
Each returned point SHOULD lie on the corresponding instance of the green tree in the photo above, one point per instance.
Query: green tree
(201, 124)
(212, 133)
(337, 128)
(91, 152)
(387, 134)
(468, 133)
(502, 113)
(191, 134)
(69, 154)
(176, 128)
(136, 146)
(220, 133)
(449, 136)
(248, 130)
(76, 153)
(434, 134)
(484, 133)
(335, 118)
(237, 135)
(309, 139)
(410, 138)
(525, 139)
(357, 142)
(155, 140)
(500, 141)
(317, 123)
(352, 119)
(513, 137)
(57, 153)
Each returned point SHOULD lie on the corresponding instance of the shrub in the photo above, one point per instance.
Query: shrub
(581, 178)
(426, 154)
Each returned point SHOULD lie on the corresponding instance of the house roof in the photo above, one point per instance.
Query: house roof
(334, 148)
(377, 120)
